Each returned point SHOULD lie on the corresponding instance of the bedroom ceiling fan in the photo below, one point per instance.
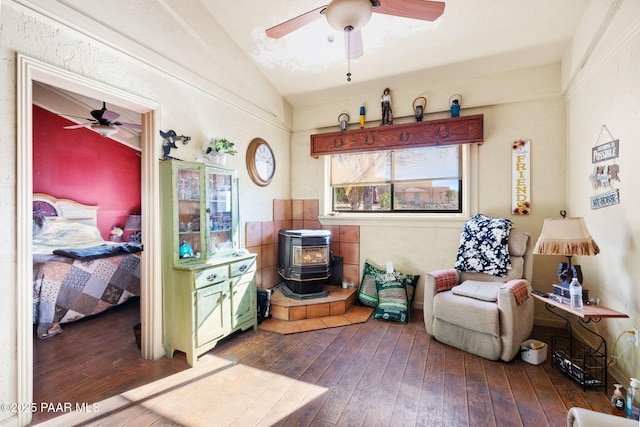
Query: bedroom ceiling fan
(105, 123)
(351, 15)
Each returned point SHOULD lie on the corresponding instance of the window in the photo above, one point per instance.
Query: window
(427, 179)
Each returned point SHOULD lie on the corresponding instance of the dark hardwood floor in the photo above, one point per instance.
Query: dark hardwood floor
(371, 374)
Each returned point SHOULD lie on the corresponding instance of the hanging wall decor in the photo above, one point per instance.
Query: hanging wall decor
(520, 175)
(605, 172)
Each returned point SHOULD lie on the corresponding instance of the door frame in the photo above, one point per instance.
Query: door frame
(28, 71)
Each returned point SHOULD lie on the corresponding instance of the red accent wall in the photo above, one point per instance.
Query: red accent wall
(80, 164)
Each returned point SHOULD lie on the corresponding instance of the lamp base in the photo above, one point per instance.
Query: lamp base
(567, 271)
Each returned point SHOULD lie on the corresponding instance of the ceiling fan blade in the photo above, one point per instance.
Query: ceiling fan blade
(353, 47)
(76, 117)
(416, 9)
(293, 24)
(124, 133)
(110, 116)
(83, 125)
(129, 125)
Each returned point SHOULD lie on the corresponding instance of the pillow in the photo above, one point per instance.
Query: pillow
(392, 299)
(484, 246)
(68, 234)
(485, 291)
(39, 223)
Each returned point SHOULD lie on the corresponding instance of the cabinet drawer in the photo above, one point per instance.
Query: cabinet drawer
(211, 275)
(243, 267)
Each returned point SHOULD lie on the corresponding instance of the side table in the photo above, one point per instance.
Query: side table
(585, 364)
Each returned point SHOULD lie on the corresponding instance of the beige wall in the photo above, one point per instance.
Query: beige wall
(606, 91)
(529, 107)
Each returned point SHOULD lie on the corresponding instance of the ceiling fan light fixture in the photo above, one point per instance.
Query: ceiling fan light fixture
(104, 130)
(348, 13)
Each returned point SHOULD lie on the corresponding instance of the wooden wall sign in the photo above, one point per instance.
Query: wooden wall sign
(450, 131)
(605, 172)
(521, 177)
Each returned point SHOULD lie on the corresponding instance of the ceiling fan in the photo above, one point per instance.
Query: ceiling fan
(104, 122)
(351, 15)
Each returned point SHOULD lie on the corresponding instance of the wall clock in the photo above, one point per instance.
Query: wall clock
(261, 162)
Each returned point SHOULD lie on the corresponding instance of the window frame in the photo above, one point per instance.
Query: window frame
(468, 209)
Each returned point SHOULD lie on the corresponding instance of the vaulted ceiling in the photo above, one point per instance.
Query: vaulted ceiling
(308, 66)
(472, 36)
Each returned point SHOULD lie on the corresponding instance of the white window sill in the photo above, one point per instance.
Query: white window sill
(422, 220)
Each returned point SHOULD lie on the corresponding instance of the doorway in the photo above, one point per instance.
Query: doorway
(29, 71)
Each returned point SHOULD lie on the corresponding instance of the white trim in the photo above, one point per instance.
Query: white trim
(29, 70)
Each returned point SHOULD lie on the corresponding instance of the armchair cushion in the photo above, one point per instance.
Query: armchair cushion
(468, 313)
(485, 291)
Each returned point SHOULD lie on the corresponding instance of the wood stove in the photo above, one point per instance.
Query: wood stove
(304, 260)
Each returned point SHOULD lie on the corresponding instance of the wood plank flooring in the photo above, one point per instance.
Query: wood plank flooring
(372, 374)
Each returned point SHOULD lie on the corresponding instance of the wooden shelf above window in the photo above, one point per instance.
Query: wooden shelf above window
(450, 131)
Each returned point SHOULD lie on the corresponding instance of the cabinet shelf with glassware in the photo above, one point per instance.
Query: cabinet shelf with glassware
(209, 288)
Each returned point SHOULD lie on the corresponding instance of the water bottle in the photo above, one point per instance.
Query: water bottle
(633, 400)
(575, 291)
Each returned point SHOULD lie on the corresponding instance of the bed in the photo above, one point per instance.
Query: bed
(76, 273)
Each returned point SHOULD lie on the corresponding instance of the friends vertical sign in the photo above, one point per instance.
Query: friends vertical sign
(521, 177)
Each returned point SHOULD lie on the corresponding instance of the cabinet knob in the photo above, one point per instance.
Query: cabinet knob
(369, 139)
(243, 267)
(404, 136)
(212, 277)
(337, 144)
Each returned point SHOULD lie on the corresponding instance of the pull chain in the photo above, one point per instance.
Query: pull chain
(348, 30)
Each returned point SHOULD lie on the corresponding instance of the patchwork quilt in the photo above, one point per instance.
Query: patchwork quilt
(67, 289)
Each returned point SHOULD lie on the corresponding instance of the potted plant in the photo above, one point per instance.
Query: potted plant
(217, 150)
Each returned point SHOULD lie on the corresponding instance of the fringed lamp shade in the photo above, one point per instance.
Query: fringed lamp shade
(565, 236)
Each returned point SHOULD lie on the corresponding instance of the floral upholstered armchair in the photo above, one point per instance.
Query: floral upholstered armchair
(483, 305)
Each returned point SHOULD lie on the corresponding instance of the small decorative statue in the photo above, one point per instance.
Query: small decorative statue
(169, 139)
(387, 113)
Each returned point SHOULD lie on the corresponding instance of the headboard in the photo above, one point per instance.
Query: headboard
(64, 209)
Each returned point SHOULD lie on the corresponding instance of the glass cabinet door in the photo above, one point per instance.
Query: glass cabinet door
(190, 245)
(220, 210)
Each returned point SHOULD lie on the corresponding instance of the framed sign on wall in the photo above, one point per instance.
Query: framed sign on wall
(605, 172)
(520, 175)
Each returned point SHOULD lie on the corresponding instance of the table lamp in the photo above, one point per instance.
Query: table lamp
(566, 236)
(134, 224)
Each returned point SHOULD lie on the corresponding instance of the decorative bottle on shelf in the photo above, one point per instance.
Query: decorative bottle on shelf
(617, 401)
(633, 400)
(575, 291)
(186, 251)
